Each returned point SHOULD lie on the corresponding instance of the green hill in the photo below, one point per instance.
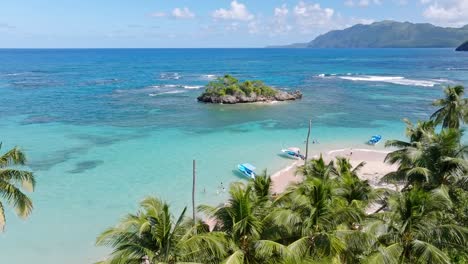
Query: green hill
(391, 34)
(463, 47)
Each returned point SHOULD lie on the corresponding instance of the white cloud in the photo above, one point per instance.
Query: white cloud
(446, 12)
(254, 27)
(304, 18)
(182, 13)
(362, 3)
(281, 11)
(238, 11)
(280, 22)
(309, 16)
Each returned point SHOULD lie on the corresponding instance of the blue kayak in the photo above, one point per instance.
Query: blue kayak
(374, 140)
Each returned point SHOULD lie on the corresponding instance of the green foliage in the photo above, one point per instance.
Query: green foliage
(153, 232)
(392, 34)
(453, 108)
(12, 180)
(325, 218)
(229, 85)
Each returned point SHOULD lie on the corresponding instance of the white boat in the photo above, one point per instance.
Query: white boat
(247, 169)
(293, 152)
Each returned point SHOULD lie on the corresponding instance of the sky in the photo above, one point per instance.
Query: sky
(202, 23)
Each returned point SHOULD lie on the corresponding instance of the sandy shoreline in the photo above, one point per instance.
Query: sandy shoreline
(374, 169)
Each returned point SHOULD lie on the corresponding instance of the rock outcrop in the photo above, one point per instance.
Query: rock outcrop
(463, 47)
(252, 98)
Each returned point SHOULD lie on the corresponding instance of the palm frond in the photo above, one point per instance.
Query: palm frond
(235, 258)
(427, 253)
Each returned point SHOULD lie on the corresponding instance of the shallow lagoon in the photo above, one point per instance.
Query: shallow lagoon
(104, 128)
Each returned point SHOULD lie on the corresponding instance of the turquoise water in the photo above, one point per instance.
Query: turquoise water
(104, 128)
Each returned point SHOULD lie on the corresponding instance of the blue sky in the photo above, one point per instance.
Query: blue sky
(202, 23)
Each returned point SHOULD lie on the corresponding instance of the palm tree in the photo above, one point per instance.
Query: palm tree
(154, 234)
(311, 214)
(11, 182)
(453, 108)
(412, 231)
(433, 160)
(243, 221)
(318, 168)
(350, 187)
(261, 185)
(422, 129)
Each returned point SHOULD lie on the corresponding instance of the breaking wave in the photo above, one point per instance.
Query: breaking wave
(168, 92)
(399, 80)
(391, 79)
(192, 86)
(208, 76)
(170, 76)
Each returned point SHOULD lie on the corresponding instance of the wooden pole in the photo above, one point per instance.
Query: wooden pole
(193, 193)
(307, 143)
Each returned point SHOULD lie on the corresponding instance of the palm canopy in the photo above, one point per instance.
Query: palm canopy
(318, 168)
(411, 232)
(433, 160)
(243, 219)
(321, 214)
(453, 108)
(153, 232)
(12, 180)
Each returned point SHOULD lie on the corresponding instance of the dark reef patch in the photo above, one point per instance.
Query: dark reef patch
(86, 165)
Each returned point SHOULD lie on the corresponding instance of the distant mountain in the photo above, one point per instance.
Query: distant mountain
(463, 47)
(391, 34)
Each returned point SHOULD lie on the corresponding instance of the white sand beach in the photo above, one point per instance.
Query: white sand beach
(374, 169)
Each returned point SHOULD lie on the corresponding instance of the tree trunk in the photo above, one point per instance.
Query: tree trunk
(193, 193)
(307, 143)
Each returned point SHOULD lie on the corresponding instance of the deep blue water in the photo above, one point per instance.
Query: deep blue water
(105, 127)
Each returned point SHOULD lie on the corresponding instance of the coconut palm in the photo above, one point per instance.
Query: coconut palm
(261, 185)
(311, 213)
(318, 168)
(153, 233)
(354, 190)
(416, 133)
(453, 108)
(433, 160)
(242, 219)
(412, 232)
(12, 180)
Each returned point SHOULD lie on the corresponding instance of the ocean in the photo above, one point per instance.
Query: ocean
(103, 128)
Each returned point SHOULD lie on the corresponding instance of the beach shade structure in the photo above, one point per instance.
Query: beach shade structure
(247, 169)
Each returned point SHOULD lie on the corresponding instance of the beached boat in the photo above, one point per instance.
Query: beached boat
(247, 169)
(293, 152)
(374, 140)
